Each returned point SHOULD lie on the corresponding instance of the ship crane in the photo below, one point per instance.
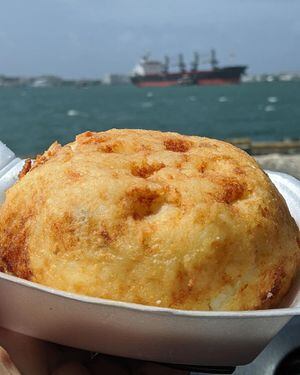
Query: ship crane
(195, 62)
(181, 63)
(209, 59)
(213, 59)
(166, 65)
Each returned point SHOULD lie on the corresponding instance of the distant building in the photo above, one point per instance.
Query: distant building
(45, 81)
(12, 81)
(288, 77)
(284, 77)
(115, 79)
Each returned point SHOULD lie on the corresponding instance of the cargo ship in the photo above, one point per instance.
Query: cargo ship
(152, 73)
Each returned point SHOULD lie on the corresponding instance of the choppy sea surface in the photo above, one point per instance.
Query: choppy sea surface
(32, 118)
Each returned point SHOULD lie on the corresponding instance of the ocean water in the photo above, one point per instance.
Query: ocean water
(32, 118)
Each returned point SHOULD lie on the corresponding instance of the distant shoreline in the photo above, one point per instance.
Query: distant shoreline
(120, 79)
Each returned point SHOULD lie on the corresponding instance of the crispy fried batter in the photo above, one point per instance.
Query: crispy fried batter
(152, 218)
(26, 168)
(47, 155)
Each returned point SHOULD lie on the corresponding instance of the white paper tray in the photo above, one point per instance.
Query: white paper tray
(142, 332)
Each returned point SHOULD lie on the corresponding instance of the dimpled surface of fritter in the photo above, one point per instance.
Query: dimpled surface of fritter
(152, 218)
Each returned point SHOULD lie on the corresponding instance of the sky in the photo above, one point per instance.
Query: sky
(88, 38)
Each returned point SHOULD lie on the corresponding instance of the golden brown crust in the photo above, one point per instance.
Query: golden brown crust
(152, 218)
(177, 144)
(26, 168)
(145, 170)
(47, 155)
(14, 257)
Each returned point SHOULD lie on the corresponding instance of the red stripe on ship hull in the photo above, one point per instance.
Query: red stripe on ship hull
(157, 84)
(217, 81)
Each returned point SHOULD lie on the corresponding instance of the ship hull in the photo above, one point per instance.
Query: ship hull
(156, 83)
(217, 81)
(219, 76)
(157, 80)
(223, 76)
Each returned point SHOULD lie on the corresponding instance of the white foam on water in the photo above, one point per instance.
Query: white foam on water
(272, 99)
(147, 105)
(270, 108)
(192, 98)
(149, 94)
(223, 99)
(72, 112)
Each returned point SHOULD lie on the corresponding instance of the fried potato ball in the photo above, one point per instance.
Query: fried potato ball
(151, 218)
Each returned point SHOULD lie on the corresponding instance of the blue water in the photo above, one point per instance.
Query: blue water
(32, 118)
